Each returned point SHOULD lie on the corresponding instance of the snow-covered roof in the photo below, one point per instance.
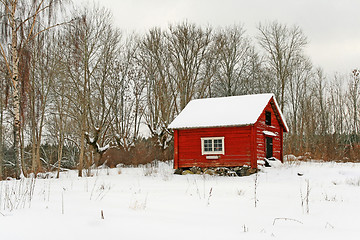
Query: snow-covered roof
(223, 111)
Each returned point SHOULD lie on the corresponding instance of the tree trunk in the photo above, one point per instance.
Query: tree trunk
(82, 141)
(33, 151)
(37, 156)
(60, 152)
(22, 153)
(36, 133)
(282, 100)
(82, 150)
(38, 141)
(1, 138)
(16, 98)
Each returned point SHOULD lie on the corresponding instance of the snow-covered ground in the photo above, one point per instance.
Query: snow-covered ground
(152, 203)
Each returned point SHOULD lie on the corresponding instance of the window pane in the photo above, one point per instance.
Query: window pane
(217, 145)
(268, 118)
(208, 145)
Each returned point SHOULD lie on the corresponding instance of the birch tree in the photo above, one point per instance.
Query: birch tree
(18, 27)
(2, 109)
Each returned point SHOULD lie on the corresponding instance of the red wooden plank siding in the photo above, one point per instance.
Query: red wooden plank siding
(253, 147)
(236, 145)
(176, 149)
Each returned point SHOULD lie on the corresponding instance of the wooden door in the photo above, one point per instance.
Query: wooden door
(269, 147)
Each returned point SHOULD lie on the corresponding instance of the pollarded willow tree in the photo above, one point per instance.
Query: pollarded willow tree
(126, 88)
(91, 62)
(160, 95)
(19, 21)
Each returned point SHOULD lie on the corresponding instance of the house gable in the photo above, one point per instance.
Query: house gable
(276, 114)
(274, 131)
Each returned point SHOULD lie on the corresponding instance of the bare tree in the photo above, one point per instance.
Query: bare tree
(337, 116)
(354, 101)
(44, 72)
(179, 65)
(235, 62)
(92, 47)
(337, 103)
(59, 117)
(160, 94)
(321, 98)
(321, 107)
(297, 90)
(283, 46)
(189, 47)
(127, 92)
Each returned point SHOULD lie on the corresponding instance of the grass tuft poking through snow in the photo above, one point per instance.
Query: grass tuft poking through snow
(17, 194)
(353, 181)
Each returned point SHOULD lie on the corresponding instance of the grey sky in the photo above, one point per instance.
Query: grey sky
(332, 26)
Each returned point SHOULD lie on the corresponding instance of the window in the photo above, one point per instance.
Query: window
(214, 145)
(268, 118)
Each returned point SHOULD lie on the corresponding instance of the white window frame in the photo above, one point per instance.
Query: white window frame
(203, 152)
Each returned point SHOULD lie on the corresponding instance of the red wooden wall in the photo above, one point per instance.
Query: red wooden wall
(236, 145)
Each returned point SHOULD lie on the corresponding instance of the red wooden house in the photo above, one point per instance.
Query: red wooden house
(228, 131)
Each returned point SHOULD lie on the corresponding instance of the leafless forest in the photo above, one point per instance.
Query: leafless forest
(76, 91)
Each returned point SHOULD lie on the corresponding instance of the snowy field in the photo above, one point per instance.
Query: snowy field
(152, 203)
